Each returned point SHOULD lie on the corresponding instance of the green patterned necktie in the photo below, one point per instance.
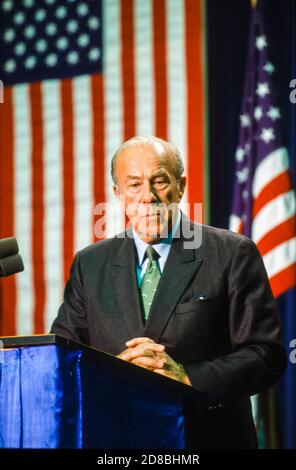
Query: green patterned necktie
(150, 280)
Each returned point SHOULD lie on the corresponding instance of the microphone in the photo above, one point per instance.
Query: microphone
(8, 247)
(10, 260)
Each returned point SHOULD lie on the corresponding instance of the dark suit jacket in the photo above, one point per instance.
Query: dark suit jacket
(213, 310)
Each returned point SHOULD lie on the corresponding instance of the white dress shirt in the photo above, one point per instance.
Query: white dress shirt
(162, 248)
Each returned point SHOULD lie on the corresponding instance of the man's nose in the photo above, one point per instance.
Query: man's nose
(148, 194)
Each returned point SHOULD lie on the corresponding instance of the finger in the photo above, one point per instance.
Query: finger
(122, 353)
(135, 341)
(148, 349)
(138, 341)
(148, 362)
(157, 348)
(133, 354)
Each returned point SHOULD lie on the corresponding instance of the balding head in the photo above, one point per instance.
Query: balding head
(163, 148)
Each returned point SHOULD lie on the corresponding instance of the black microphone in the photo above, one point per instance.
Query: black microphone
(10, 261)
(8, 247)
(11, 265)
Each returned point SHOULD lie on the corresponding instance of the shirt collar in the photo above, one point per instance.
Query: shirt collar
(161, 247)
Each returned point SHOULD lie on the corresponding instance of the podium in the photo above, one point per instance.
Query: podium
(56, 393)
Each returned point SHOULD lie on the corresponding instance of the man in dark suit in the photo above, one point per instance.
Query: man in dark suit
(187, 301)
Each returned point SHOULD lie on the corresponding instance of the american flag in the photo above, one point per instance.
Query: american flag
(80, 77)
(264, 200)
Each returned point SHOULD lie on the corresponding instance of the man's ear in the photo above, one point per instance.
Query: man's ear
(182, 186)
(119, 196)
(116, 191)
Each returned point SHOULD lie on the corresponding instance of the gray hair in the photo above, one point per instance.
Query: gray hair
(150, 141)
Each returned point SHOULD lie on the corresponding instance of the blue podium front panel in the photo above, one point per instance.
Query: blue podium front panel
(10, 399)
(54, 397)
(130, 414)
(40, 398)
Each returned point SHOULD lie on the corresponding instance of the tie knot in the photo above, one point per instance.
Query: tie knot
(151, 254)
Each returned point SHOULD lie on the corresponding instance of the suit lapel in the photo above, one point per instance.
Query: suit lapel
(126, 288)
(179, 269)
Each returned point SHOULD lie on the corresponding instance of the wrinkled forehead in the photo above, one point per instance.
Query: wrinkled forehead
(143, 151)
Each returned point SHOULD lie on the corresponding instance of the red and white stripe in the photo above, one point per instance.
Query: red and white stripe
(273, 219)
(57, 139)
(23, 205)
(53, 197)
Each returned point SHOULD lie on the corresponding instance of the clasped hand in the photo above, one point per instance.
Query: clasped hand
(144, 352)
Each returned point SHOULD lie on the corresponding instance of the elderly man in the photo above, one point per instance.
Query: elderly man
(201, 313)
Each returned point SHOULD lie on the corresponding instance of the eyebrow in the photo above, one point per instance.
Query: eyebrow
(133, 177)
(160, 173)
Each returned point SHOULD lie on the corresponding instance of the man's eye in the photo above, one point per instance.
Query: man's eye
(160, 183)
